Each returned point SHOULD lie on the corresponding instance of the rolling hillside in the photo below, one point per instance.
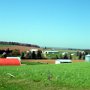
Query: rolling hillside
(15, 45)
(12, 47)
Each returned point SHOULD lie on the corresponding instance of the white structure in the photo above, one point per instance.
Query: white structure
(35, 50)
(64, 53)
(14, 58)
(72, 54)
(50, 52)
(87, 58)
(58, 61)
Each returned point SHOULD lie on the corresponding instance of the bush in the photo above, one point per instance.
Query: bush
(15, 52)
(39, 54)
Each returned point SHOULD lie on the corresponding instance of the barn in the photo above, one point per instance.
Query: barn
(10, 62)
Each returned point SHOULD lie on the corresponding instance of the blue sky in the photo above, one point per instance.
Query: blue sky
(55, 23)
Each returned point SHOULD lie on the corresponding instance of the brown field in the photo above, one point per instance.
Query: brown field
(48, 61)
(12, 47)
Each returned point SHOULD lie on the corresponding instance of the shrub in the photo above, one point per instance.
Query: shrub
(15, 52)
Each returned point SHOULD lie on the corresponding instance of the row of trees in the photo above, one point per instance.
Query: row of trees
(65, 56)
(39, 55)
(17, 43)
(81, 54)
(32, 55)
(24, 55)
(7, 52)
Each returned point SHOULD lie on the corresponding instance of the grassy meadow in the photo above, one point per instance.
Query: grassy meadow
(59, 54)
(73, 76)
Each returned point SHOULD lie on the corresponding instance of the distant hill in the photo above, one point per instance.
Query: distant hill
(13, 47)
(18, 44)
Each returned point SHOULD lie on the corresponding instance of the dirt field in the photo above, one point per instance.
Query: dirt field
(49, 61)
(21, 48)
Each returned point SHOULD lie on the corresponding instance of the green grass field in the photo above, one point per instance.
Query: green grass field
(75, 76)
(59, 54)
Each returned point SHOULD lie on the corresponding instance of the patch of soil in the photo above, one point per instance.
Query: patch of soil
(48, 61)
(21, 48)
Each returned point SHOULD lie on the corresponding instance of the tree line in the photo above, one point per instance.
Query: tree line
(8, 52)
(32, 55)
(23, 55)
(17, 43)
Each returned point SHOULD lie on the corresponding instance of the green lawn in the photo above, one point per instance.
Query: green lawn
(75, 76)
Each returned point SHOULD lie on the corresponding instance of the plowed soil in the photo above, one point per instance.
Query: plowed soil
(21, 48)
(48, 61)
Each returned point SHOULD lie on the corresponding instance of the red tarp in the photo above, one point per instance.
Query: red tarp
(9, 62)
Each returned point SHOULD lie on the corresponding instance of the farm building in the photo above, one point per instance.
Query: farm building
(10, 62)
(58, 61)
(50, 52)
(33, 50)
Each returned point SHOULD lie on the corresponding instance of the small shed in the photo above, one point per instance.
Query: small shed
(58, 61)
(9, 62)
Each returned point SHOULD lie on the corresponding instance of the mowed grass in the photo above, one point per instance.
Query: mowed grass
(75, 76)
